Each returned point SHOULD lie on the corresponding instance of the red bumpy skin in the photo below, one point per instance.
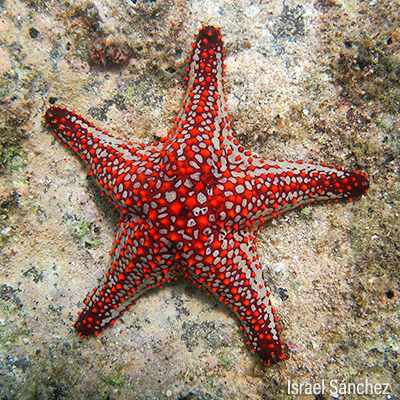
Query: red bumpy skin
(192, 204)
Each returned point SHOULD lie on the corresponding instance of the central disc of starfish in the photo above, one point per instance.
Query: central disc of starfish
(192, 204)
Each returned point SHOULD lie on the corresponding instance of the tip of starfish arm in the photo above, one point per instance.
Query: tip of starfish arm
(88, 323)
(358, 185)
(53, 116)
(272, 353)
(211, 33)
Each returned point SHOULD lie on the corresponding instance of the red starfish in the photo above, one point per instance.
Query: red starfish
(194, 203)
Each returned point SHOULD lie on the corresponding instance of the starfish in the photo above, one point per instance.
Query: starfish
(192, 204)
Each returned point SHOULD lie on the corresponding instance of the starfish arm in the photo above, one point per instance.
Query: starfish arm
(203, 124)
(264, 190)
(137, 264)
(122, 169)
(229, 270)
